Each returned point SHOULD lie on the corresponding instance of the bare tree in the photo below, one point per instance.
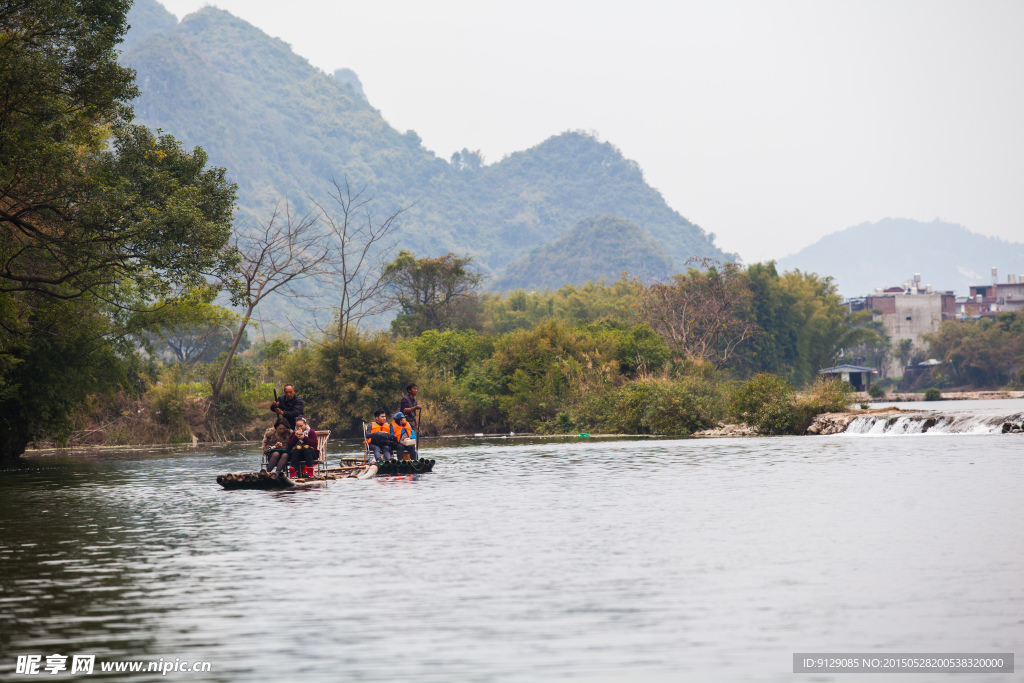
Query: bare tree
(360, 246)
(702, 314)
(274, 258)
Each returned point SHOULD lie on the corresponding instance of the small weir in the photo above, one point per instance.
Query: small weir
(934, 423)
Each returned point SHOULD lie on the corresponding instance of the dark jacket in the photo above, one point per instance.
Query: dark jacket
(292, 408)
(310, 440)
(405, 404)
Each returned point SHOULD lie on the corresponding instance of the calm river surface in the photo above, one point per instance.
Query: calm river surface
(524, 561)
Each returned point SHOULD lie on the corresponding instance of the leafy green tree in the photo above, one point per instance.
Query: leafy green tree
(987, 353)
(802, 326)
(547, 368)
(451, 352)
(867, 342)
(433, 293)
(101, 223)
(903, 351)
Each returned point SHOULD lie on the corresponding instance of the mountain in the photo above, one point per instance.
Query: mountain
(889, 252)
(146, 18)
(284, 129)
(596, 247)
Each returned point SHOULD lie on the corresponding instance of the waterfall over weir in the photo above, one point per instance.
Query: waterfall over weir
(933, 423)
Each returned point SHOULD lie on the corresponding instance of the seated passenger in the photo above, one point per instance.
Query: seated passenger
(403, 433)
(274, 445)
(302, 446)
(378, 437)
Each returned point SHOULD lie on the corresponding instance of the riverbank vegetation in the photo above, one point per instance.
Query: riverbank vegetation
(576, 359)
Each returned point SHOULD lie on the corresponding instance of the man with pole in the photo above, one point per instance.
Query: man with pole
(289, 406)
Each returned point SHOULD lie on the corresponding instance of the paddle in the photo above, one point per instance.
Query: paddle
(420, 438)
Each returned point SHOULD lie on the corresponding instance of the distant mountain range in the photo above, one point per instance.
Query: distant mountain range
(284, 129)
(887, 253)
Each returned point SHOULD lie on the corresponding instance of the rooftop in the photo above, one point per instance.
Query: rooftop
(846, 368)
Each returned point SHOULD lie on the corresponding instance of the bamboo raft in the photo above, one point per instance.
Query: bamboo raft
(267, 481)
(349, 468)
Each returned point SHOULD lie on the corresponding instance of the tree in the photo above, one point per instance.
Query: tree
(802, 325)
(702, 314)
(274, 258)
(903, 351)
(433, 293)
(865, 342)
(360, 244)
(87, 200)
(985, 353)
(102, 224)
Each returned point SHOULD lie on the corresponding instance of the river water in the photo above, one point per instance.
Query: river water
(522, 560)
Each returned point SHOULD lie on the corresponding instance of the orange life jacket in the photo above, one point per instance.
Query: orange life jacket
(377, 427)
(407, 428)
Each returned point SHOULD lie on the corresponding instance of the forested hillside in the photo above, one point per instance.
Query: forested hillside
(284, 129)
(596, 247)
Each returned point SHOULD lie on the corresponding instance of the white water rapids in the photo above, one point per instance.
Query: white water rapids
(976, 417)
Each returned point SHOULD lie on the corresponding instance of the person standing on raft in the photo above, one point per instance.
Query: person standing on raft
(409, 407)
(290, 406)
(302, 446)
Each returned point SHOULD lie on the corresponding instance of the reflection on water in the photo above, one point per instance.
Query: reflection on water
(527, 561)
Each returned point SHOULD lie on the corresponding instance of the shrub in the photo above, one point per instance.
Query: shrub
(761, 390)
(827, 395)
(932, 394)
(770, 403)
(167, 398)
(655, 406)
(686, 406)
(641, 349)
(876, 391)
(559, 424)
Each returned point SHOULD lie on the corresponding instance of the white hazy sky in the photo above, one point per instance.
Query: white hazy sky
(767, 123)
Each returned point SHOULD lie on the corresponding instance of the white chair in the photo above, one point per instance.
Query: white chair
(321, 445)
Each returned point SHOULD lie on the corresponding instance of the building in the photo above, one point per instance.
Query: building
(859, 377)
(909, 312)
(996, 297)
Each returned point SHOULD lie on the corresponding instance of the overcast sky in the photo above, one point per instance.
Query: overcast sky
(767, 123)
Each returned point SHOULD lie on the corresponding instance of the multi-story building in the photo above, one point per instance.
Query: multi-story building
(996, 297)
(909, 312)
